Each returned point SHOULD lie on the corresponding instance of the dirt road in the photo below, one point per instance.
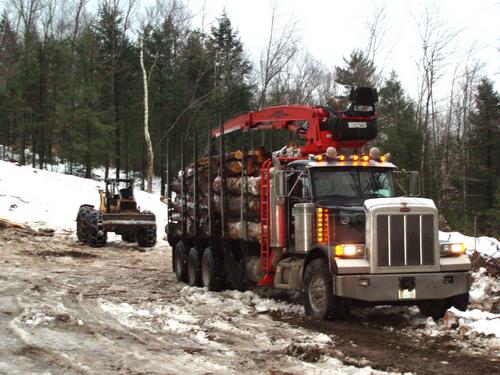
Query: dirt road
(67, 308)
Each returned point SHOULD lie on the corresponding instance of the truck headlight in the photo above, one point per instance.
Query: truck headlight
(350, 250)
(448, 249)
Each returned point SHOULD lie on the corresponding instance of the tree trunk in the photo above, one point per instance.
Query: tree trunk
(149, 146)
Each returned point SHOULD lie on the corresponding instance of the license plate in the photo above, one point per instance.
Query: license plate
(407, 294)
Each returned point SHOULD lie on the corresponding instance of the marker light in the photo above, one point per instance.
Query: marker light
(365, 158)
(341, 157)
(355, 157)
(386, 157)
(319, 158)
(322, 225)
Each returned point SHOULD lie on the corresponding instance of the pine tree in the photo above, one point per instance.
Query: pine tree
(485, 160)
(398, 132)
(232, 92)
(359, 70)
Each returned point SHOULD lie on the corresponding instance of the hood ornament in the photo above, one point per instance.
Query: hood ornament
(405, 207)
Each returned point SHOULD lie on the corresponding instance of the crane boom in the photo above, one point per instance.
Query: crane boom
(320, 127)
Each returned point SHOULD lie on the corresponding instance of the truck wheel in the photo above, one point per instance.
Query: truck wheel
(96, 235)
(437, 308)
(81, 222)
(460, 302)
(193, 267)
(434, 308)
(319, 301)
(146, 237)
(234, 268)
(210, 270)
(180, 261)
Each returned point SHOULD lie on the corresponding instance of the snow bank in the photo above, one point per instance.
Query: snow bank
(488, 247)
(41, 198)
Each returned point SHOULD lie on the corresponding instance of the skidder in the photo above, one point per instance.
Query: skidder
(118, 212)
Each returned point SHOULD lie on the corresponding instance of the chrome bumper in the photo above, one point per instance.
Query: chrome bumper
(386, 287)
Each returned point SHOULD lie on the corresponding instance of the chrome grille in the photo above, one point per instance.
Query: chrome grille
(405, 240)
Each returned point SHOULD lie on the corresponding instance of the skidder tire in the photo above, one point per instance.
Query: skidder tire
(129, 237)
(81, 221)
(180, 261)
(210, 270)
(193, 268)
(96, 235)
(146, 237)
(319, 301)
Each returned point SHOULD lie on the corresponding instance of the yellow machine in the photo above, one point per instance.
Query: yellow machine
(118, 212)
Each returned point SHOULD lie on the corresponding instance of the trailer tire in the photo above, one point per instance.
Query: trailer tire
(234, 268)
(210, 270)
(437, 308)
(319, 300)
(180, 261)
(146, 237)
(81, 221)
(96, 235)
(193, 268)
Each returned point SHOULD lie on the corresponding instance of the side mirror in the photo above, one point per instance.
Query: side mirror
(414, 183)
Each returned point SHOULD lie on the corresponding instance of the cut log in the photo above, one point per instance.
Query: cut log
(4, 224)
(234, 185)
(253, 231)
(234, 205)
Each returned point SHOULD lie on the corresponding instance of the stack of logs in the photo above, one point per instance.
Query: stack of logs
(234, 180)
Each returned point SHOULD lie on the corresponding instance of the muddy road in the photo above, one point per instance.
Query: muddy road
(67, 308)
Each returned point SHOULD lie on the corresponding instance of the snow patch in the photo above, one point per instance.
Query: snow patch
(488, 247)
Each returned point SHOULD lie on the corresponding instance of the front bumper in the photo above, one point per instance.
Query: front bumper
(386, 287)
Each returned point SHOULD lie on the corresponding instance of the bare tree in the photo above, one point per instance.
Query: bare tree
(281, 48)
(147, 137)
(377, 32)
(436, 39)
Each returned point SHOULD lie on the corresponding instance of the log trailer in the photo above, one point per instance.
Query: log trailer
(331, 223)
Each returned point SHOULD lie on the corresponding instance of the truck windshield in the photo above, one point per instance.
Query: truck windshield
(351, 183)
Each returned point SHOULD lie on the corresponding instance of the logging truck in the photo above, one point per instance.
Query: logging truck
(323, 217)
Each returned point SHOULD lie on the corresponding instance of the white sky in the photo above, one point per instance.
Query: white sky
(329, 30)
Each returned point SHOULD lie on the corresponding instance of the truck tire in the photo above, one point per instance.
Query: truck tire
(193, 268)
(81, 221)
(96, 235)
(460, 302)
(146, 237)
(437, 308)
(180, 261)
(319, 301)
(234, 268)
(210, 270)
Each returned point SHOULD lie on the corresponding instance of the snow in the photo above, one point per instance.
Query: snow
(488, 247)
(216, 323)
(42, 198)
(479, 321)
